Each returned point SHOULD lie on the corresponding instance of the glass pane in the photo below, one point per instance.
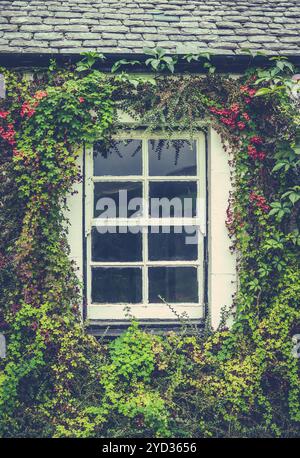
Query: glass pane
(113, 244)
(173, 284)
(114, 285)
(173, 243)
(120, 158)
(114, 198)
(172, 157)
(179, 199)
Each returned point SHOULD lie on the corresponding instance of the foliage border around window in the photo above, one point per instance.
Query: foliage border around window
(245, 374)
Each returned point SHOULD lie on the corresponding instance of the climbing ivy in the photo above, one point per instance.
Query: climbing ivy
(59, 381)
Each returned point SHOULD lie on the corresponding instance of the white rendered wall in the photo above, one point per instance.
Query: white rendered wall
(222, 277)
(74, 214)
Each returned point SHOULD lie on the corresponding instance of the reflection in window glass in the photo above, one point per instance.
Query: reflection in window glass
(172, 157)
(120, 158)
(116, 245)
(173, 194)
(112, 191)
(171, 244)
(173, 284)
(117, 285)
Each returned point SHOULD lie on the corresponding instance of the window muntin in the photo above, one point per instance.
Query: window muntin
(174, 272)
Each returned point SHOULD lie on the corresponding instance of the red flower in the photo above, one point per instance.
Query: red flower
(17, 153)
(228, 122)
(252, 92)
(235, 107)
(244, 88)
(39, 95)
(259, 201)
(261, 156)
(221, 112)
(9, 134)
(27, 110)
(241, 125)
(256, 140)
(252, 151)
(4, 114)
(81, 99)
(246, 116)
(248, 91)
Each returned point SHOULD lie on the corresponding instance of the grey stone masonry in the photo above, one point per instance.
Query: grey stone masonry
(127, 26)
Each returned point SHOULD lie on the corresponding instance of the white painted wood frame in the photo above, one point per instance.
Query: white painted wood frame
(146, 310)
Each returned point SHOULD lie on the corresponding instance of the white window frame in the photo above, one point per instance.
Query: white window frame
(145, 310)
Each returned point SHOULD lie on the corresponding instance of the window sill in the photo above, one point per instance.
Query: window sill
(114, 328)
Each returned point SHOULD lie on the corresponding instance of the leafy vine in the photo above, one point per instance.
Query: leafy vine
(56, 379)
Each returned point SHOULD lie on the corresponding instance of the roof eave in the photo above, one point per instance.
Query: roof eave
(224, 63)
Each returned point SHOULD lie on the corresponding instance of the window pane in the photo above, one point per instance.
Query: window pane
(172, 157)
(114, 285)
(119, 200)
(174, 284)
(119, 158)
(179, 199)
(170, 244)
(113, 245)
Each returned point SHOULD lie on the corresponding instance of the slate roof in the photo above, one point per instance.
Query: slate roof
(127, 26)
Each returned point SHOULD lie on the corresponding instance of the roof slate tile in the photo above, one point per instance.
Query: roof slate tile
(127, 26)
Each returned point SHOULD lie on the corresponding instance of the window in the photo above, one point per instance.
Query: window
(145, 201)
